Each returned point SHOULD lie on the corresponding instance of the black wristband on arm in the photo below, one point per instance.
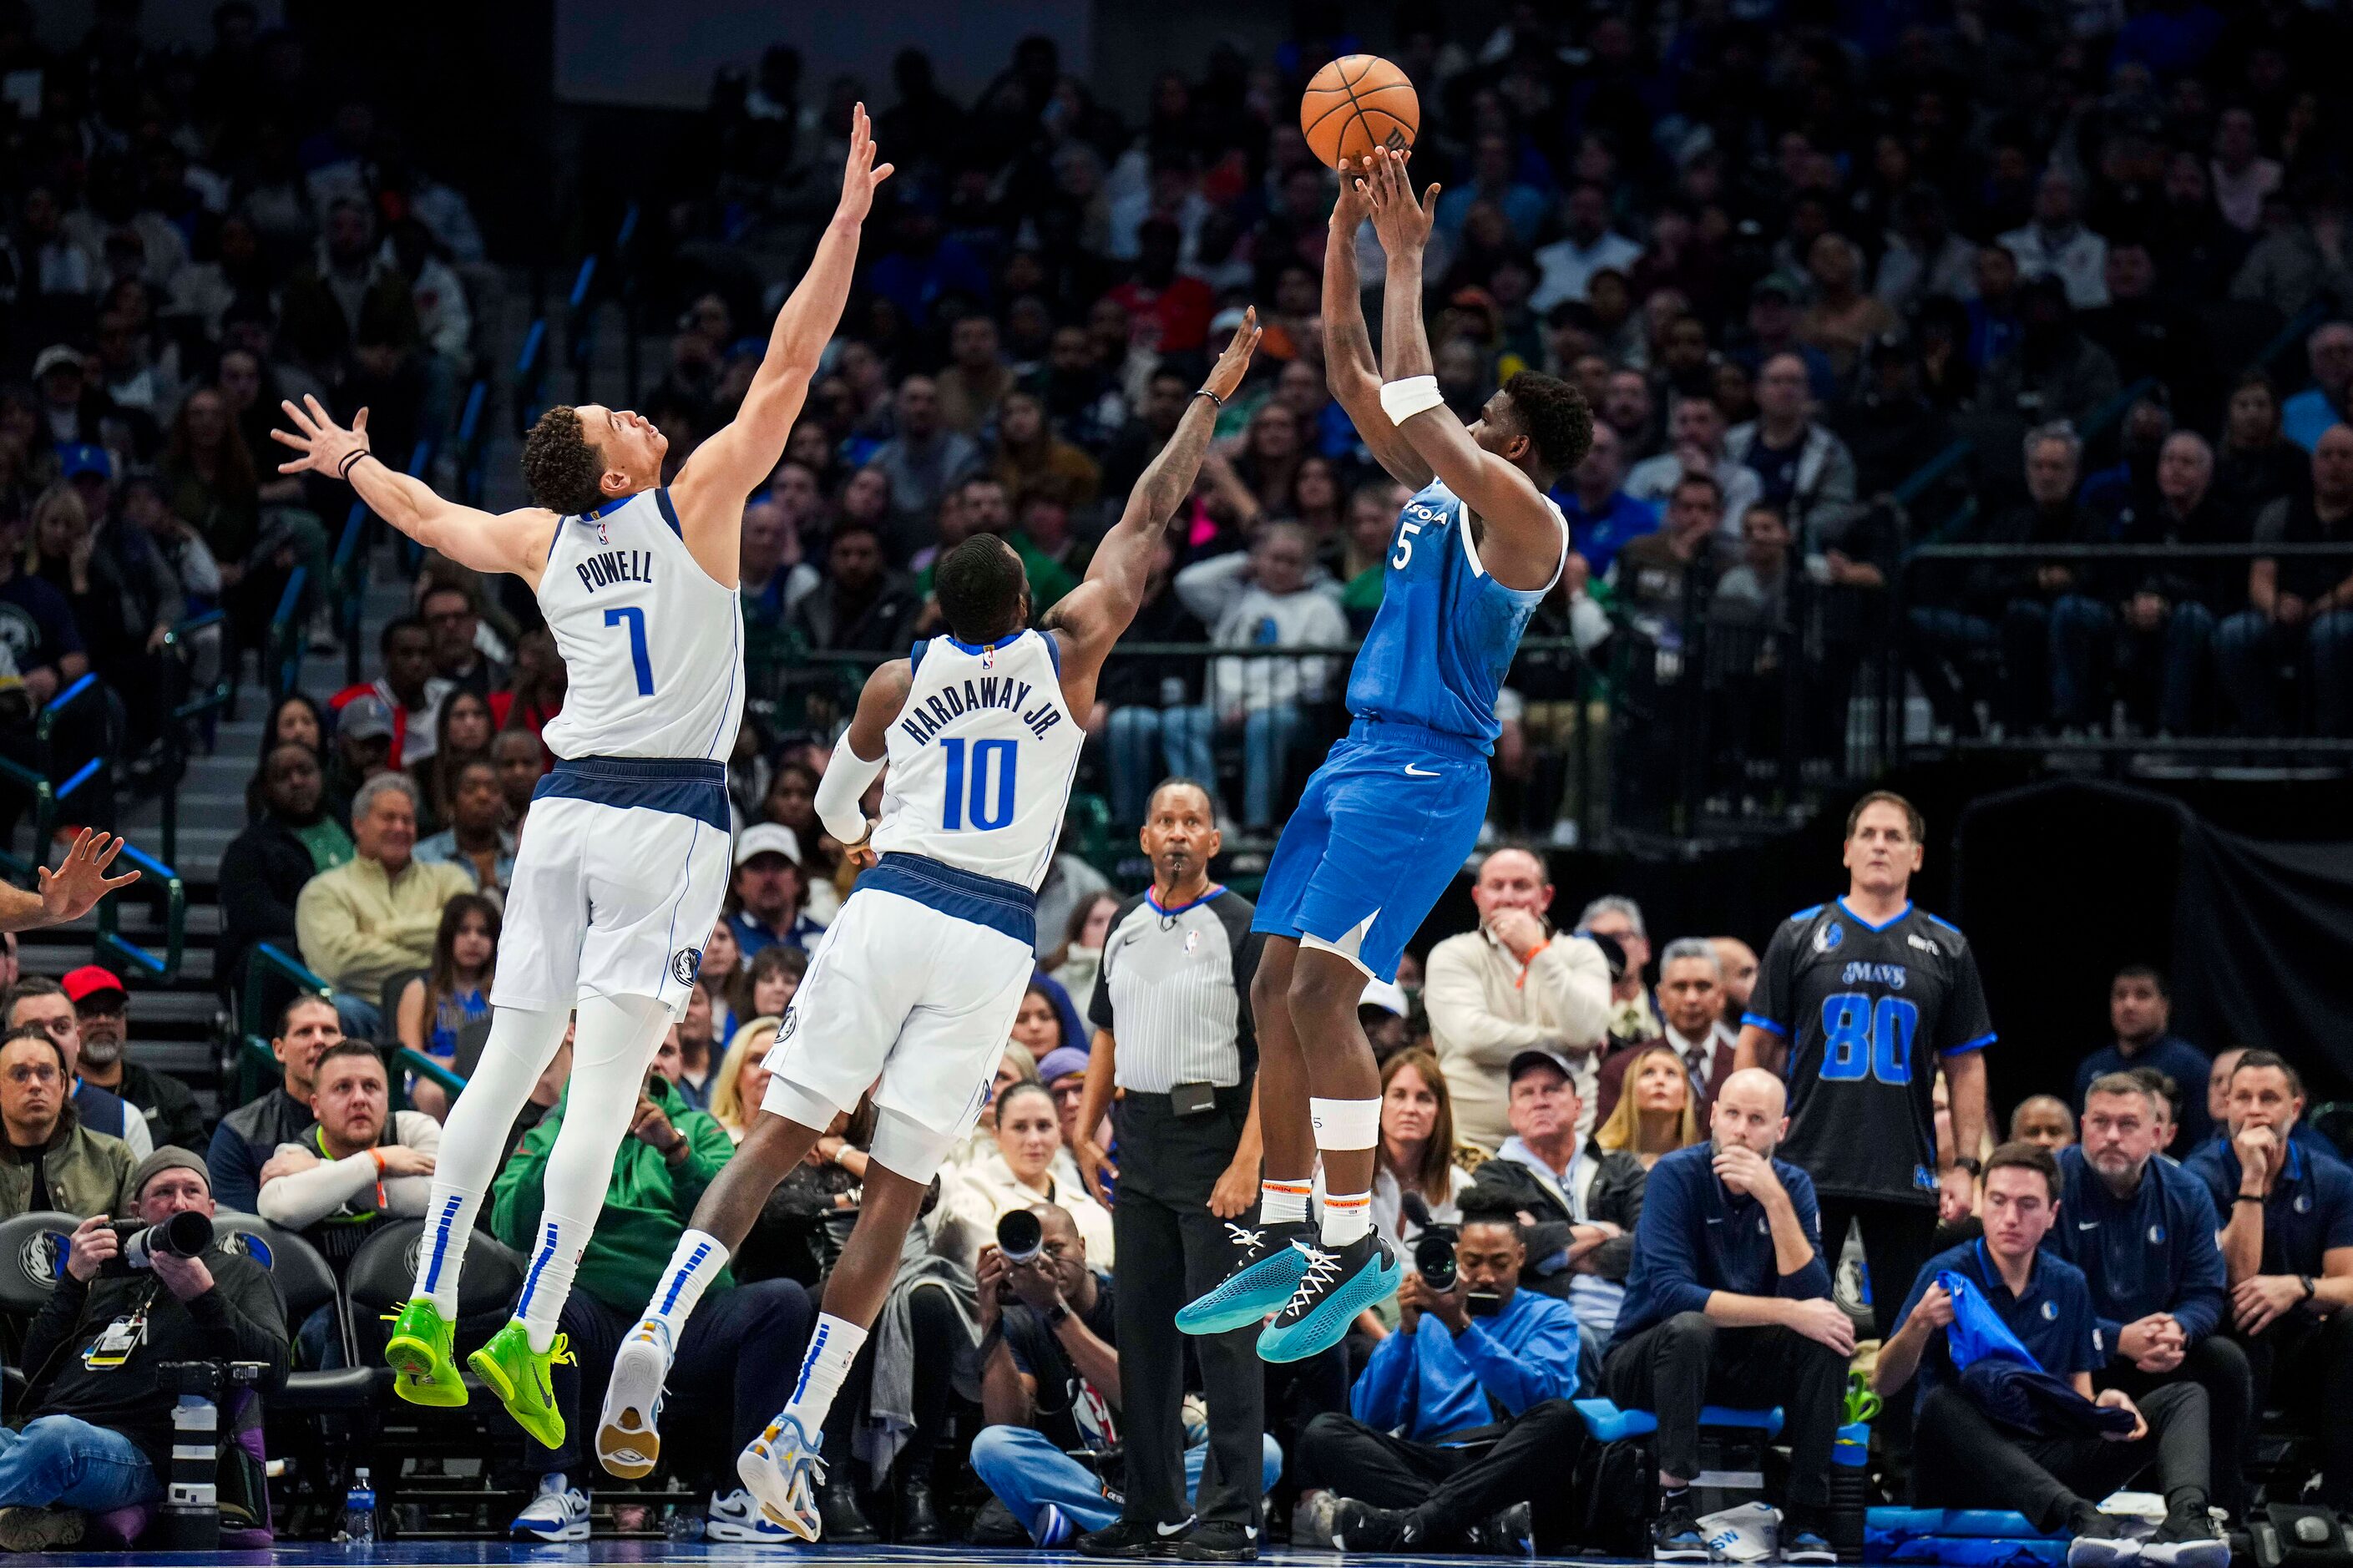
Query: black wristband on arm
(351, 461)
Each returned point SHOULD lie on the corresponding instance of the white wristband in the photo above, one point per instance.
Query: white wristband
(1402, 400)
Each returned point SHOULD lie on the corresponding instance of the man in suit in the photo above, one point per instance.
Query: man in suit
(1690, 1000)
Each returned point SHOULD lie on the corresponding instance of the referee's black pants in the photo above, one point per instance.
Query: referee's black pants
(1171, 1249)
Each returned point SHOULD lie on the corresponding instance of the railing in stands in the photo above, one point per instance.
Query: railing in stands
(2336, 749)
(406, 1061)
(472, 445)
(531, 377)
(281, 648)
(267, 966)
(183, 643)
(39, 778)
(111, 944)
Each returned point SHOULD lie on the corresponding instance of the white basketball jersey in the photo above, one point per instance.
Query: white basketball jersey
(653, 649)
(981, 758)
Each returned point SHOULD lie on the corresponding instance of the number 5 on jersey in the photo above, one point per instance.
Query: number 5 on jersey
(635, 619)
(990, 802)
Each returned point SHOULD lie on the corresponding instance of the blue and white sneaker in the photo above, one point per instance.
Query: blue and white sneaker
(1052, 1527)
(738, 1517)
(559, 1512)
(1273, 1258)
(1334, 1288)
(629, 1432)
(782, 1469)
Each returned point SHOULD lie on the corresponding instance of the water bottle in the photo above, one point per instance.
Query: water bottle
(359, 1510)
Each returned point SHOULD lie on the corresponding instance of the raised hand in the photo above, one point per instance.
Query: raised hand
(81, 880)
(326, 447)
(860, 173)
(1234, 363)
(1401, 221)
(1349, 212)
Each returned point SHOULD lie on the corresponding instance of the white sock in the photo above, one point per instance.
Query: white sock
(449, 1222)
(1343, 1126)
(610, 1051)
(698, 1260)
(1283, 1202)
(832, 1348)
(523, 1042)
(553, 1262)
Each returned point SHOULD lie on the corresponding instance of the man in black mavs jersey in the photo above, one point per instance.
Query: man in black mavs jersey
(1857, 1004)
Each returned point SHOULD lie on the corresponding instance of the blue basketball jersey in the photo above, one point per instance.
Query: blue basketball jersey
(1446, 630)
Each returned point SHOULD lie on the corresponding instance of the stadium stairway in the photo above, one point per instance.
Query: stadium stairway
(179, 1026)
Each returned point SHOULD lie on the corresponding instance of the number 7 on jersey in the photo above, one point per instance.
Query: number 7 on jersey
(635, 617)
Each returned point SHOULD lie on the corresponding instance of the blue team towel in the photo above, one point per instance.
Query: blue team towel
(2003, 1378)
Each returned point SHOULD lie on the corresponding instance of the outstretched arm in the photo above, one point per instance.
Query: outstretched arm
(1349, 369)
(710, 491)
(1092, 615)
(512, 542)
(1522, 543)
(67, 893)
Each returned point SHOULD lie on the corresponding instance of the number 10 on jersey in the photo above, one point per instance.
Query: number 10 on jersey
(973, 791)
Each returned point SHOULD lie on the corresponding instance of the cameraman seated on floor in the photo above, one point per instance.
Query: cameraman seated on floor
(100, 1437)
(1997, 1432)
(736, 1356)
(2287, 1245)
(1459, 1435)
(1050, 1383)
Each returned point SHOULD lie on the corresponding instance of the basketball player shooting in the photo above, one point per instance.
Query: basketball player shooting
(622, 873)
(915, 986)
(1389, 819)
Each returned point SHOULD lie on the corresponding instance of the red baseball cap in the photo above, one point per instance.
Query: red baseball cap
(90, 979)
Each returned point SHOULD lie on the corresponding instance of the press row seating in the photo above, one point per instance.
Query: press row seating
(323, 1421)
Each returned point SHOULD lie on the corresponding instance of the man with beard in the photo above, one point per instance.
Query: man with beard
(1729, 1299)
(100, 1007)
(264, 868)
(2143, 1231)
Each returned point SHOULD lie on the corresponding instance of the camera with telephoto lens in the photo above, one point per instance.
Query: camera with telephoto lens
(1020, 1236)
(1433, 1250)
(185, 1234)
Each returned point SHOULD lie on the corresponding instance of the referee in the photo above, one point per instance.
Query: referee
(1173, 1033)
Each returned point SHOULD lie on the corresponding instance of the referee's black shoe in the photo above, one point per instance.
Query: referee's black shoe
(1131, 1540)
(1219, 1541)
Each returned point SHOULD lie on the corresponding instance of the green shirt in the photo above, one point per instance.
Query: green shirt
(1050, 579)
(329, 844)
(647, 1203)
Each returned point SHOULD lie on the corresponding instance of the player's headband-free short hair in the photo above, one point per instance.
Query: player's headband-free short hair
(1914, 823)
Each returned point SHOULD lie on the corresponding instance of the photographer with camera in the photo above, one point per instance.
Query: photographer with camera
(137, 1294)
(1461, 1416)
(50, 1160)
(1049, 1381)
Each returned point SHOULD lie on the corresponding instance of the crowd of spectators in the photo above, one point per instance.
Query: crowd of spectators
(1788, 265)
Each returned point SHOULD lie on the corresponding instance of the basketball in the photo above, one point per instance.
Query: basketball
(1356, 103)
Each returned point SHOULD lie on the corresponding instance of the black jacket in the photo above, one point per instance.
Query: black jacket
(168, 1105)
(1508, 1186)
(261, 874)
(241, 1318)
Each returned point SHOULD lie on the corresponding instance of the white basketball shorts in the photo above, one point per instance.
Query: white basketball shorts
(911, 1000)
(608, 900)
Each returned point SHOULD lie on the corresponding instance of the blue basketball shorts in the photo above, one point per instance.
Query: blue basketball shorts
(1380, 830)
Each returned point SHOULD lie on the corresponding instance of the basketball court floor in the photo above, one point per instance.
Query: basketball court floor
(433, 1554)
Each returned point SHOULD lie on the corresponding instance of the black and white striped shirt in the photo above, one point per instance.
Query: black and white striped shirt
(1174, 992)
